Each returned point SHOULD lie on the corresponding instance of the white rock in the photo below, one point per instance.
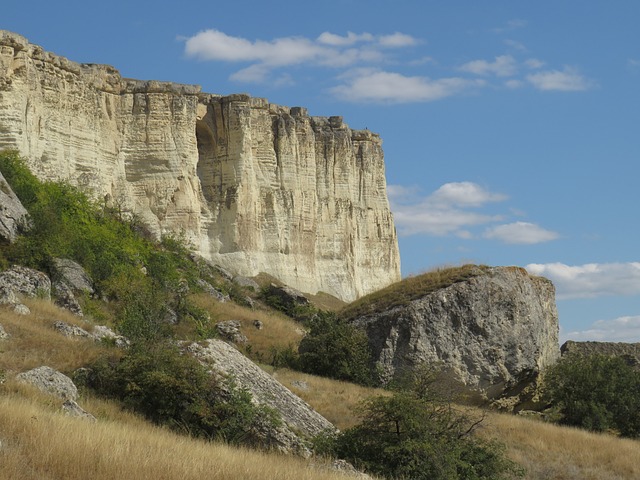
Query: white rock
(255, 187)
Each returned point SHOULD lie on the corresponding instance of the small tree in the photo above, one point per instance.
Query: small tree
(336, 349)
(416, 434)
(596, 392)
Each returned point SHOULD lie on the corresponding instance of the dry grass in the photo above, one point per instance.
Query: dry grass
(40, 443)
(551, 452)
(410, 288)
(278, 331)
(333, 399)
(34, 342)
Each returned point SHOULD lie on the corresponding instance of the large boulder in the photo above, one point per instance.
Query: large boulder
(493, 330)
(26, 281)
(301, 422)
(50, 381)
(14, 218)
(72, 274)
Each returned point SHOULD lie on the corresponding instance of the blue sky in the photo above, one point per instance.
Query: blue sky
(511, 129)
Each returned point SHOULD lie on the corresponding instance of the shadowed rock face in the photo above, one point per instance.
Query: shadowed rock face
(255, 187)
(494, 331)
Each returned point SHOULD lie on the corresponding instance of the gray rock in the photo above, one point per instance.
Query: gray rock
(101, 332)
(289, 298)
(258, 324)
(212, 291)
(8, 296)
(72, 274)
(246, 282)
(494, 332)
(230, 330)
(65, 298)
(26, 281)
(223, 272)
(71, 408)
(71, 330)
(50, 381)
(301, 421)
(21, 309)
(3, 334)
(14, 218)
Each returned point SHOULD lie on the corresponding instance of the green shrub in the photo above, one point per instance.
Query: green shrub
(596, 392)
(336, 349)
(415, 434)
(174, 389)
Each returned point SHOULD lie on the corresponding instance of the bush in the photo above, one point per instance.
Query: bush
(414, 434)
(596, 392)
(173, 389)
(336, 349)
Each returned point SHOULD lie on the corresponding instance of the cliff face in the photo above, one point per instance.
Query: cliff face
(494, 331)
(254, 187)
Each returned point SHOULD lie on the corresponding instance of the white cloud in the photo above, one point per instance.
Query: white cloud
(523, 233)
(444, 212)
(633, 63)
(568, 80)
(534, 63)
(621, 329)
(329, 38)
(467, 194)
(366, 85)
(515, 45)
(592, 279)
(511, 25)
(513, 84)
(216, 45)
(502, 66)
(397, 40)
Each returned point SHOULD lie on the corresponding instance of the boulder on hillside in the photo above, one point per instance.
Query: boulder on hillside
(301, 422)
(14, 218)
(50, 381)
(246, 282)
(285, 298)
(493, 329)
(26, 281)
(72, 274)
(3, 334)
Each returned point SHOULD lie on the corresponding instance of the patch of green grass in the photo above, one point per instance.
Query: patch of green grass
(411, 288)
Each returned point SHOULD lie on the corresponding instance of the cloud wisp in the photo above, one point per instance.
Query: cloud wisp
(361, 62)
(621, 329)
(447, 211)
(523, 233)
(455, 209)
(590, 280)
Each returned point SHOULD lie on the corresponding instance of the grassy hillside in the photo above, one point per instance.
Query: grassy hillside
(113, 448)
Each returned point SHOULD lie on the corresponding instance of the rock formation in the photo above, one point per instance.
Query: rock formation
(629, 351)
(13, 215)
(255, 187)
(299, 418)
(493, 331)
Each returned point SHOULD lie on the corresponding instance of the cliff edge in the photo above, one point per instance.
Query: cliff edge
(254, 187)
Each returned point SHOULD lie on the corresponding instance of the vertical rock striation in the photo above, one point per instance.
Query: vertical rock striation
(255, 187)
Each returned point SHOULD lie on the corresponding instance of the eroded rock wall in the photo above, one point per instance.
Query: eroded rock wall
(253, 186)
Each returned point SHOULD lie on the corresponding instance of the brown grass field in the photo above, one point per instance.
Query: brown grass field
(40, 442)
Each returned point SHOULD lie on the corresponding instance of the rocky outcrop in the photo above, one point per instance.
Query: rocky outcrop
(493, 331)
(255, 187)
(50, 381)
(25, 281)
(13, 216)
(301, 421)
(3, 334)
(72, 274)
(629, 351)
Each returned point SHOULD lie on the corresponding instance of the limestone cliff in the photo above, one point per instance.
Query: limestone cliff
(494, 330)
(254, 186)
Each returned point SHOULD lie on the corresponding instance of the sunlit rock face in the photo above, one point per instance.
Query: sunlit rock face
(255, 187)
